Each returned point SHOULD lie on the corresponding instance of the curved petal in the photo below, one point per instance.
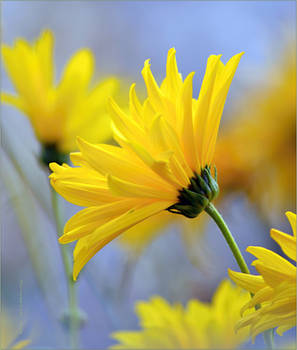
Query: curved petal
(88, 220)
(88, 246)
(286, 242)
(249, 282)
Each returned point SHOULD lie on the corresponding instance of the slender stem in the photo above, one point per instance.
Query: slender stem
(216, 216)
(72, 302)
(269, 338)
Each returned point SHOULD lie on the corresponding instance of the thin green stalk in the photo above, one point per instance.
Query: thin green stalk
(216, 216)
(72, 311)
(269, 338)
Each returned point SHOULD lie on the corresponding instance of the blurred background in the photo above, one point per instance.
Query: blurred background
(255, 158)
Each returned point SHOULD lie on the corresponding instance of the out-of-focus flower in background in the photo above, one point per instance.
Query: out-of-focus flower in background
(274, 288)
(158, 153)
(197, 326)
(260, 142)
(10, 335)
(58, 112)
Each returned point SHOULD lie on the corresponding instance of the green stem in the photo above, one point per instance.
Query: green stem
(269, 338)
(72, 312)
(216, 216)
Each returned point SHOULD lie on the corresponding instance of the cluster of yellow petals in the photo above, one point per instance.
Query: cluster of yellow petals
(262, 116)
(274, 289)
(197, 326)
(58, 113)
(162, 142)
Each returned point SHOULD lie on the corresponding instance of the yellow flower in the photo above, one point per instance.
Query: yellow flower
(263, 116)
(9, 334)
(275, 288)
(167, 145)
(198, 326)
(58, 113)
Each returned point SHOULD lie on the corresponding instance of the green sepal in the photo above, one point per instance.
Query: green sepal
(50, 154)
(195, 198)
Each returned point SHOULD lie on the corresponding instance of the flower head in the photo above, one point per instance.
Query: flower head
(264, 115)
(197, 326)
(274, 288)
(58, 113)
(163, 162)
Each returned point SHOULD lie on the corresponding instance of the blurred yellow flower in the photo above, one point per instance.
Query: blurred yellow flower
(198, 326)
(275, 288)
(9, 334)
(167, 145)
(58, 113)
(264, 132)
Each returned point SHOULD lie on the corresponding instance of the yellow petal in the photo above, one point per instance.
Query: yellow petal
(159, 165)
(44, 49)
(203, 106)
(274, 276)
(154, 93)
(88, 220)
(89, 118)
(249, 282)
(173, 78)
(80, 186)
(127, 189)
(76, 78)
(286, 242)
(16, 101)
(269, 322)
(189, 144)
(171, 140)
(271, 261)
(108, 159)
(21, 344)
(87, 247)
(135, 106)
(160, 142)
(123, 123)
(11, 58)
(148, 114)
(290, 324)
(261, 296)
(292, 219)
(221, 87)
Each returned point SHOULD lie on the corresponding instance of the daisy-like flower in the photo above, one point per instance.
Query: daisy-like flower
(274, 288)
(265, 115)
(197, 326)
(58, 113)
(166, 149)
